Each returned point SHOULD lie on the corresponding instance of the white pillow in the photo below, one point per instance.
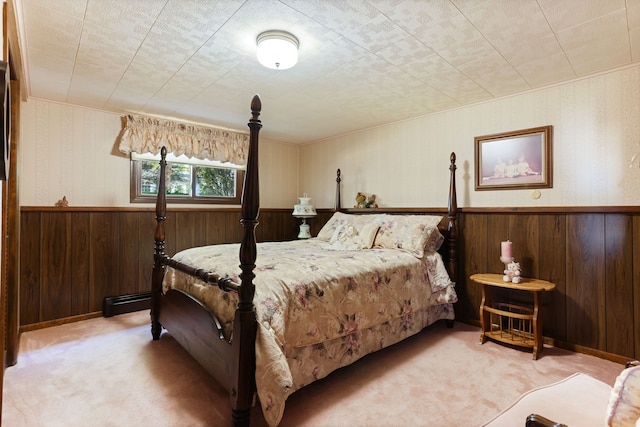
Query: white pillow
(339, 219)
(351, 237)
(624, 403)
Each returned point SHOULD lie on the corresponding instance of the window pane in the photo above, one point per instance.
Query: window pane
(179, 183)
(215, 182)
(186, 182)
(150, 171)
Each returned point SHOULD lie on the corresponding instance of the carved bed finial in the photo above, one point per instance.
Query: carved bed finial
(256, 107)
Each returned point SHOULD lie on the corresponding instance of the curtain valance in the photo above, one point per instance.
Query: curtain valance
(143, 134)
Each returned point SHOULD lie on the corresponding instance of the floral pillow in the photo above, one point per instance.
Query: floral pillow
(434, 241)
(352, 237)
(340, 219)
(412, 233)
(624, 403)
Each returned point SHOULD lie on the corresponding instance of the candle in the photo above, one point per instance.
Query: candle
(507, 250)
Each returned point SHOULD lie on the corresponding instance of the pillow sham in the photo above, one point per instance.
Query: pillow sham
(339, 219)
(352, 237)
(434, 241)
(412, 233)
(624, 403)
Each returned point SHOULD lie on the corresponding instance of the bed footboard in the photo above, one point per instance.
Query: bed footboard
(193, 326)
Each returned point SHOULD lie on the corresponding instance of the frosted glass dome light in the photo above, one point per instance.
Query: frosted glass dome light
(277, 50)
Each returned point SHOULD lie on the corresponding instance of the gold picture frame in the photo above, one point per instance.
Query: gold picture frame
(520, 159)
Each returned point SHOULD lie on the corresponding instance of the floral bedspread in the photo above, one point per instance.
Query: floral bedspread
(319, 309)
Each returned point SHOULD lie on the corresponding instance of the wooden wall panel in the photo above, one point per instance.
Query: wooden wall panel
(194, 225)
(233, 229)
(216, 229)
(472, 244)
(585, 280)
(55, 266)
(72, 258)
(105, 247)
(636, 284)
(524, 232)
(593, 257)
(551, 267)
(80, 262)
(30, 267)
(497, 231)
(278, 226)
(146, 245)
(170, 233)
(128, 254)
(619, 283)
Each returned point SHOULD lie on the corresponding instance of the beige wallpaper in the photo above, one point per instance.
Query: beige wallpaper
(596, 125)
(70, 151)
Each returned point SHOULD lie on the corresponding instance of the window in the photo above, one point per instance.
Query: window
(188, 180)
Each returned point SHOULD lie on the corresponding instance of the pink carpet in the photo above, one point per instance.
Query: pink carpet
(108, 372)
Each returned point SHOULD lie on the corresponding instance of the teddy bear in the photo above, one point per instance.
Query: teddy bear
(512, 272)
(371, 202)
(361, 200)
(62, 203)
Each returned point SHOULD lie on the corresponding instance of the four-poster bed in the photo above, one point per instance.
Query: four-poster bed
(296, 311)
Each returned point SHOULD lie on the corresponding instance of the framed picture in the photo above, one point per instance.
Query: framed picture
(514, 160)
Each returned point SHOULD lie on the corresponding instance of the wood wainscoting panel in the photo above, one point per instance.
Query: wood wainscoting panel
(585, 291)
(146, 225)
(551, 267)
(272, 226)
(472, 255)
(619, 283)
(233, 231)
(80, 262)
(74, 258)
(55, 266)
(215, 231)
(105, 249)
(129, 254)
(636, 284)
(497, 232)
(194, 225)
(592, 254)
(30, 273)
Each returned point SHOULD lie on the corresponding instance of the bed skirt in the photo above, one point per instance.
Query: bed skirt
(310, 363)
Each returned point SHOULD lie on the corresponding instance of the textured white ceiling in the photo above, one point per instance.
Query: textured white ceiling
(362, 63)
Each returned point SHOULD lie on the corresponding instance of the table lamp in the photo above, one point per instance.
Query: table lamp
(304, 210)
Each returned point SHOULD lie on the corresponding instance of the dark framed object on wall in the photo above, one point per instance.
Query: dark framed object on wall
(514, 160)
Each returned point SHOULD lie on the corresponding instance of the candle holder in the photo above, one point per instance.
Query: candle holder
(506, 260)
(506, 256)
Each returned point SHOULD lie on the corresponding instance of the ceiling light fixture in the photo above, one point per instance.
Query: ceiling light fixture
(277, 50)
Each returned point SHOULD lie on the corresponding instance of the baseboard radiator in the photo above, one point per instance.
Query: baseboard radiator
(126, 304)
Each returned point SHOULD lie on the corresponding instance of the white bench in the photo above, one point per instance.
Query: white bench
(579, 400)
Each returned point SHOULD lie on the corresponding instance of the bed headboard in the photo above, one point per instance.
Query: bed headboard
(448, 226)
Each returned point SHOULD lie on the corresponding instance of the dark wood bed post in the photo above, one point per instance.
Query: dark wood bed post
(452, 227)
(245, 323)
(159, 255)
(338, 206)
